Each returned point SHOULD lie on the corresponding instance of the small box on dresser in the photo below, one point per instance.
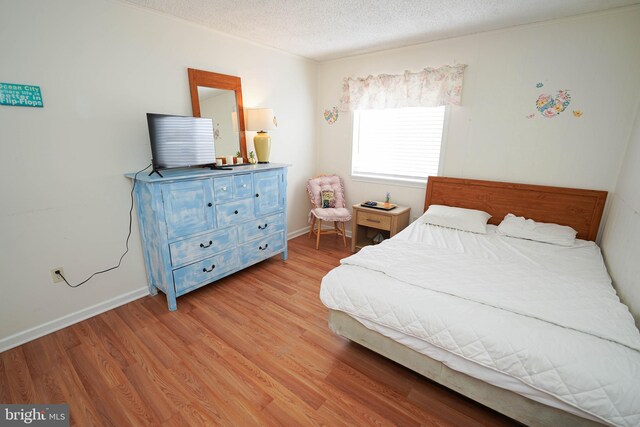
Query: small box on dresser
(199, 225)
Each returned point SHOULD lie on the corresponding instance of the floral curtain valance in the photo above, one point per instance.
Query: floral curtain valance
(431, 87)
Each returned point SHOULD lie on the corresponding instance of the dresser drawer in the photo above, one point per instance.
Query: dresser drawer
(223, 188)
(373, 220)
(205, 271)
(260, 227)
(234, 212)
(261, 249)
(203, 246)
(242, 186)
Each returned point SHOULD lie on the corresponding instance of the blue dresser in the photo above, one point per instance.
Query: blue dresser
(199, 225)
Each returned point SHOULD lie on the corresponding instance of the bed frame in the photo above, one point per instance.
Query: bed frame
(577, 208)
(513, 405)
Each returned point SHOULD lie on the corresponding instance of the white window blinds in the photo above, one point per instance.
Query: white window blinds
(397, 143)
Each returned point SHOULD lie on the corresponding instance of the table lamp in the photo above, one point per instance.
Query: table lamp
(261, 120)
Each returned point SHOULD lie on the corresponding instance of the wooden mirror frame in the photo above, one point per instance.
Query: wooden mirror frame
(218, 81)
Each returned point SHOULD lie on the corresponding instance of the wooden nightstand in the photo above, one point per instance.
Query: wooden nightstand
(367, 222)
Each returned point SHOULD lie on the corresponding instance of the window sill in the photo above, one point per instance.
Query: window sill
(399, 182)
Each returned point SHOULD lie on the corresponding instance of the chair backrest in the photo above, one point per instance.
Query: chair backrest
(316, 185)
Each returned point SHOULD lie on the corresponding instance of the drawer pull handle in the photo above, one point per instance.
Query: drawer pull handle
(265, 247)
(204, 270)
(202, 245)
(235, 212)
(209, 204)
(261, 227)
(224, 188)
(244, 185)
(377, 221)
(257, 195)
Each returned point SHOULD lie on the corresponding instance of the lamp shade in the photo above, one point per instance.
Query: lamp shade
(260, 119)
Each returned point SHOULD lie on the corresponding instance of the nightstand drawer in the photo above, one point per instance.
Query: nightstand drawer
(374, 220)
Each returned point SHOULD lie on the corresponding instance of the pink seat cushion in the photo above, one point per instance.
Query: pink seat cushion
(333, 182)
(332, 214)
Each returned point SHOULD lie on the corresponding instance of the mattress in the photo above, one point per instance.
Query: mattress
(540, 320)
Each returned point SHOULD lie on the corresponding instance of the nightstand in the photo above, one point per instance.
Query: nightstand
(367, 222)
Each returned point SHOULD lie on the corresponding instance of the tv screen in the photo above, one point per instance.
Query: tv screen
(179, 141)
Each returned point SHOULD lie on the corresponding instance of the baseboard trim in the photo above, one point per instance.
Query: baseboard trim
(299, 232)
(305, 230)
(55, 325)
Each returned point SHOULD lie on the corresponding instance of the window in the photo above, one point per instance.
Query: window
(398, 144)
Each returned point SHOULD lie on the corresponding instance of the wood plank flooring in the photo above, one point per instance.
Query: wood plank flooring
(251, 349)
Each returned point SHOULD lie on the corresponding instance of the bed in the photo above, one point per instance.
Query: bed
(544, 340)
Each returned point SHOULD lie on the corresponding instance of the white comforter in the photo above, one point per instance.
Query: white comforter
(544, 314)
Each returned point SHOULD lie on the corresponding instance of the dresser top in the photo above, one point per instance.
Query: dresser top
(190, 173)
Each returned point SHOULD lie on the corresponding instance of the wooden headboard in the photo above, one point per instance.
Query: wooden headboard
(577, 208)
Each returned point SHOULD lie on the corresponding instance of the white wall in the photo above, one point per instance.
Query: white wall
(596, 57)
(621, 238)
(101, 66)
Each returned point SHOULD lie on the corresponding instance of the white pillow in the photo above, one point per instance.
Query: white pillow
(458, 218)
(520, 227)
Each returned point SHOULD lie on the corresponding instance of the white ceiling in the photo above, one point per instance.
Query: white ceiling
(330, 29)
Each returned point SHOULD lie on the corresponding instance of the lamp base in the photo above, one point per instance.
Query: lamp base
(262, 163)
(262, 144)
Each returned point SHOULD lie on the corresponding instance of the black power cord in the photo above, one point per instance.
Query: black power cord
(59, 273)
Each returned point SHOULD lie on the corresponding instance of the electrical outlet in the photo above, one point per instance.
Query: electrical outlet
(55, 277)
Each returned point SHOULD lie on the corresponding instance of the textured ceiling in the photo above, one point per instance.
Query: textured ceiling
(330, 29)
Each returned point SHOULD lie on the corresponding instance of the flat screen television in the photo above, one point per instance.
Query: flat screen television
(180, 141)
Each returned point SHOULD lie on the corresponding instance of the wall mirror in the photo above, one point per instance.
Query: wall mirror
(219, 97)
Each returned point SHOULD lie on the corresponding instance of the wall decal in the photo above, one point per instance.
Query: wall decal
(216, 132)
(331, 116)
(539, 85)
(530, 116)
(19, 95)
(550, 107)
(577, 113)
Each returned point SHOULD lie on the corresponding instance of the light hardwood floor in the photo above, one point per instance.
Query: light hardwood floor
(251, 349)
